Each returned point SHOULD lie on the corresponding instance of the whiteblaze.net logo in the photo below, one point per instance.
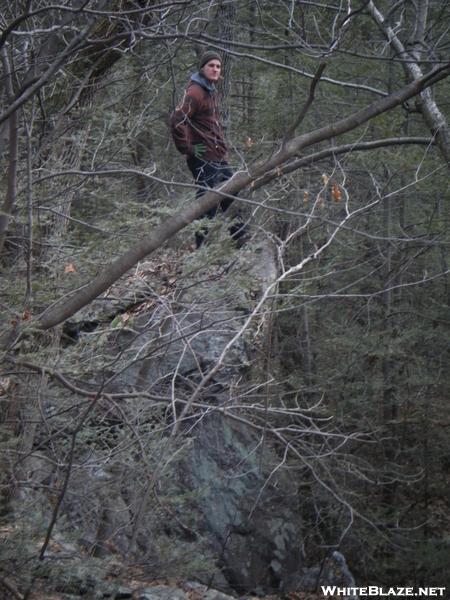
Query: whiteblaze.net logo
(374, 590)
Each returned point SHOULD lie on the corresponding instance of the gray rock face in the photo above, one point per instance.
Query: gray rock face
(185, 337)
(94, 502)
(333, 572)
(240, 509)
(250, 518)
(246, 516)
(163, 592)
(168, 592)
(189, 342)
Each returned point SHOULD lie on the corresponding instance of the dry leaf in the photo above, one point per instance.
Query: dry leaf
(70, 269)
(325, 178)
(26, 315)
(305, 196)
(278, 172)
(249, 142)
(4, 385)
(336, 193)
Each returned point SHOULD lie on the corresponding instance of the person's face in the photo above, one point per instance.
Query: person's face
(211, 71)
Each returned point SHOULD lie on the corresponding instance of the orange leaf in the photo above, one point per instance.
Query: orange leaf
(26, 315)
(325, 178)
(305, 196)
(4, 385)
(70, 269)
(249, 142)
(336, 193)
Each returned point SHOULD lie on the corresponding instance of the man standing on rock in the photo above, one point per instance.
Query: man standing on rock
(197, 133)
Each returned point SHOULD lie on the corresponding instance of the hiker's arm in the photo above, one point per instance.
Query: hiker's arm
(178, 124)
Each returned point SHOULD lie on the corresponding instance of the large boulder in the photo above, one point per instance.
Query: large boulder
(247, 513)
(243, 509)
(185, 336)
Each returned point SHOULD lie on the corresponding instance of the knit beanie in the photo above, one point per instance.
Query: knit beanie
(206, 57)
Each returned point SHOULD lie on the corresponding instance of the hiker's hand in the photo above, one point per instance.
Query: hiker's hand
(200, 150)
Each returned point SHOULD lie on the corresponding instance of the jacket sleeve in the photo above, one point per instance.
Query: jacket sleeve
(178, 123)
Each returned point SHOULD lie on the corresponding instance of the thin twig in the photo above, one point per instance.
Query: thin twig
(290, 132)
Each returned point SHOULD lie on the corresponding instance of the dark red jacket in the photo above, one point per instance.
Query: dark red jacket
(196, 121)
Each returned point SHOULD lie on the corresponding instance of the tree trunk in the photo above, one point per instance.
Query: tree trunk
(226, 16)
(13, 156)
(432, 115)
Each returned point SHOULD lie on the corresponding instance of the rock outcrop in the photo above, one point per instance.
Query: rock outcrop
(223, 492)
(246, 514)
(244, 506)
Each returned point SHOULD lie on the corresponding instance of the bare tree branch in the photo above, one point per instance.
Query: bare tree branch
(338, 150)
(433, 116)
(290, 132)
(50, 72)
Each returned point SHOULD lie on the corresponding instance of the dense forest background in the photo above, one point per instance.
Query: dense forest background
(336, 117)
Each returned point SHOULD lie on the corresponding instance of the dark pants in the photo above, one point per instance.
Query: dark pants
(209, 175)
